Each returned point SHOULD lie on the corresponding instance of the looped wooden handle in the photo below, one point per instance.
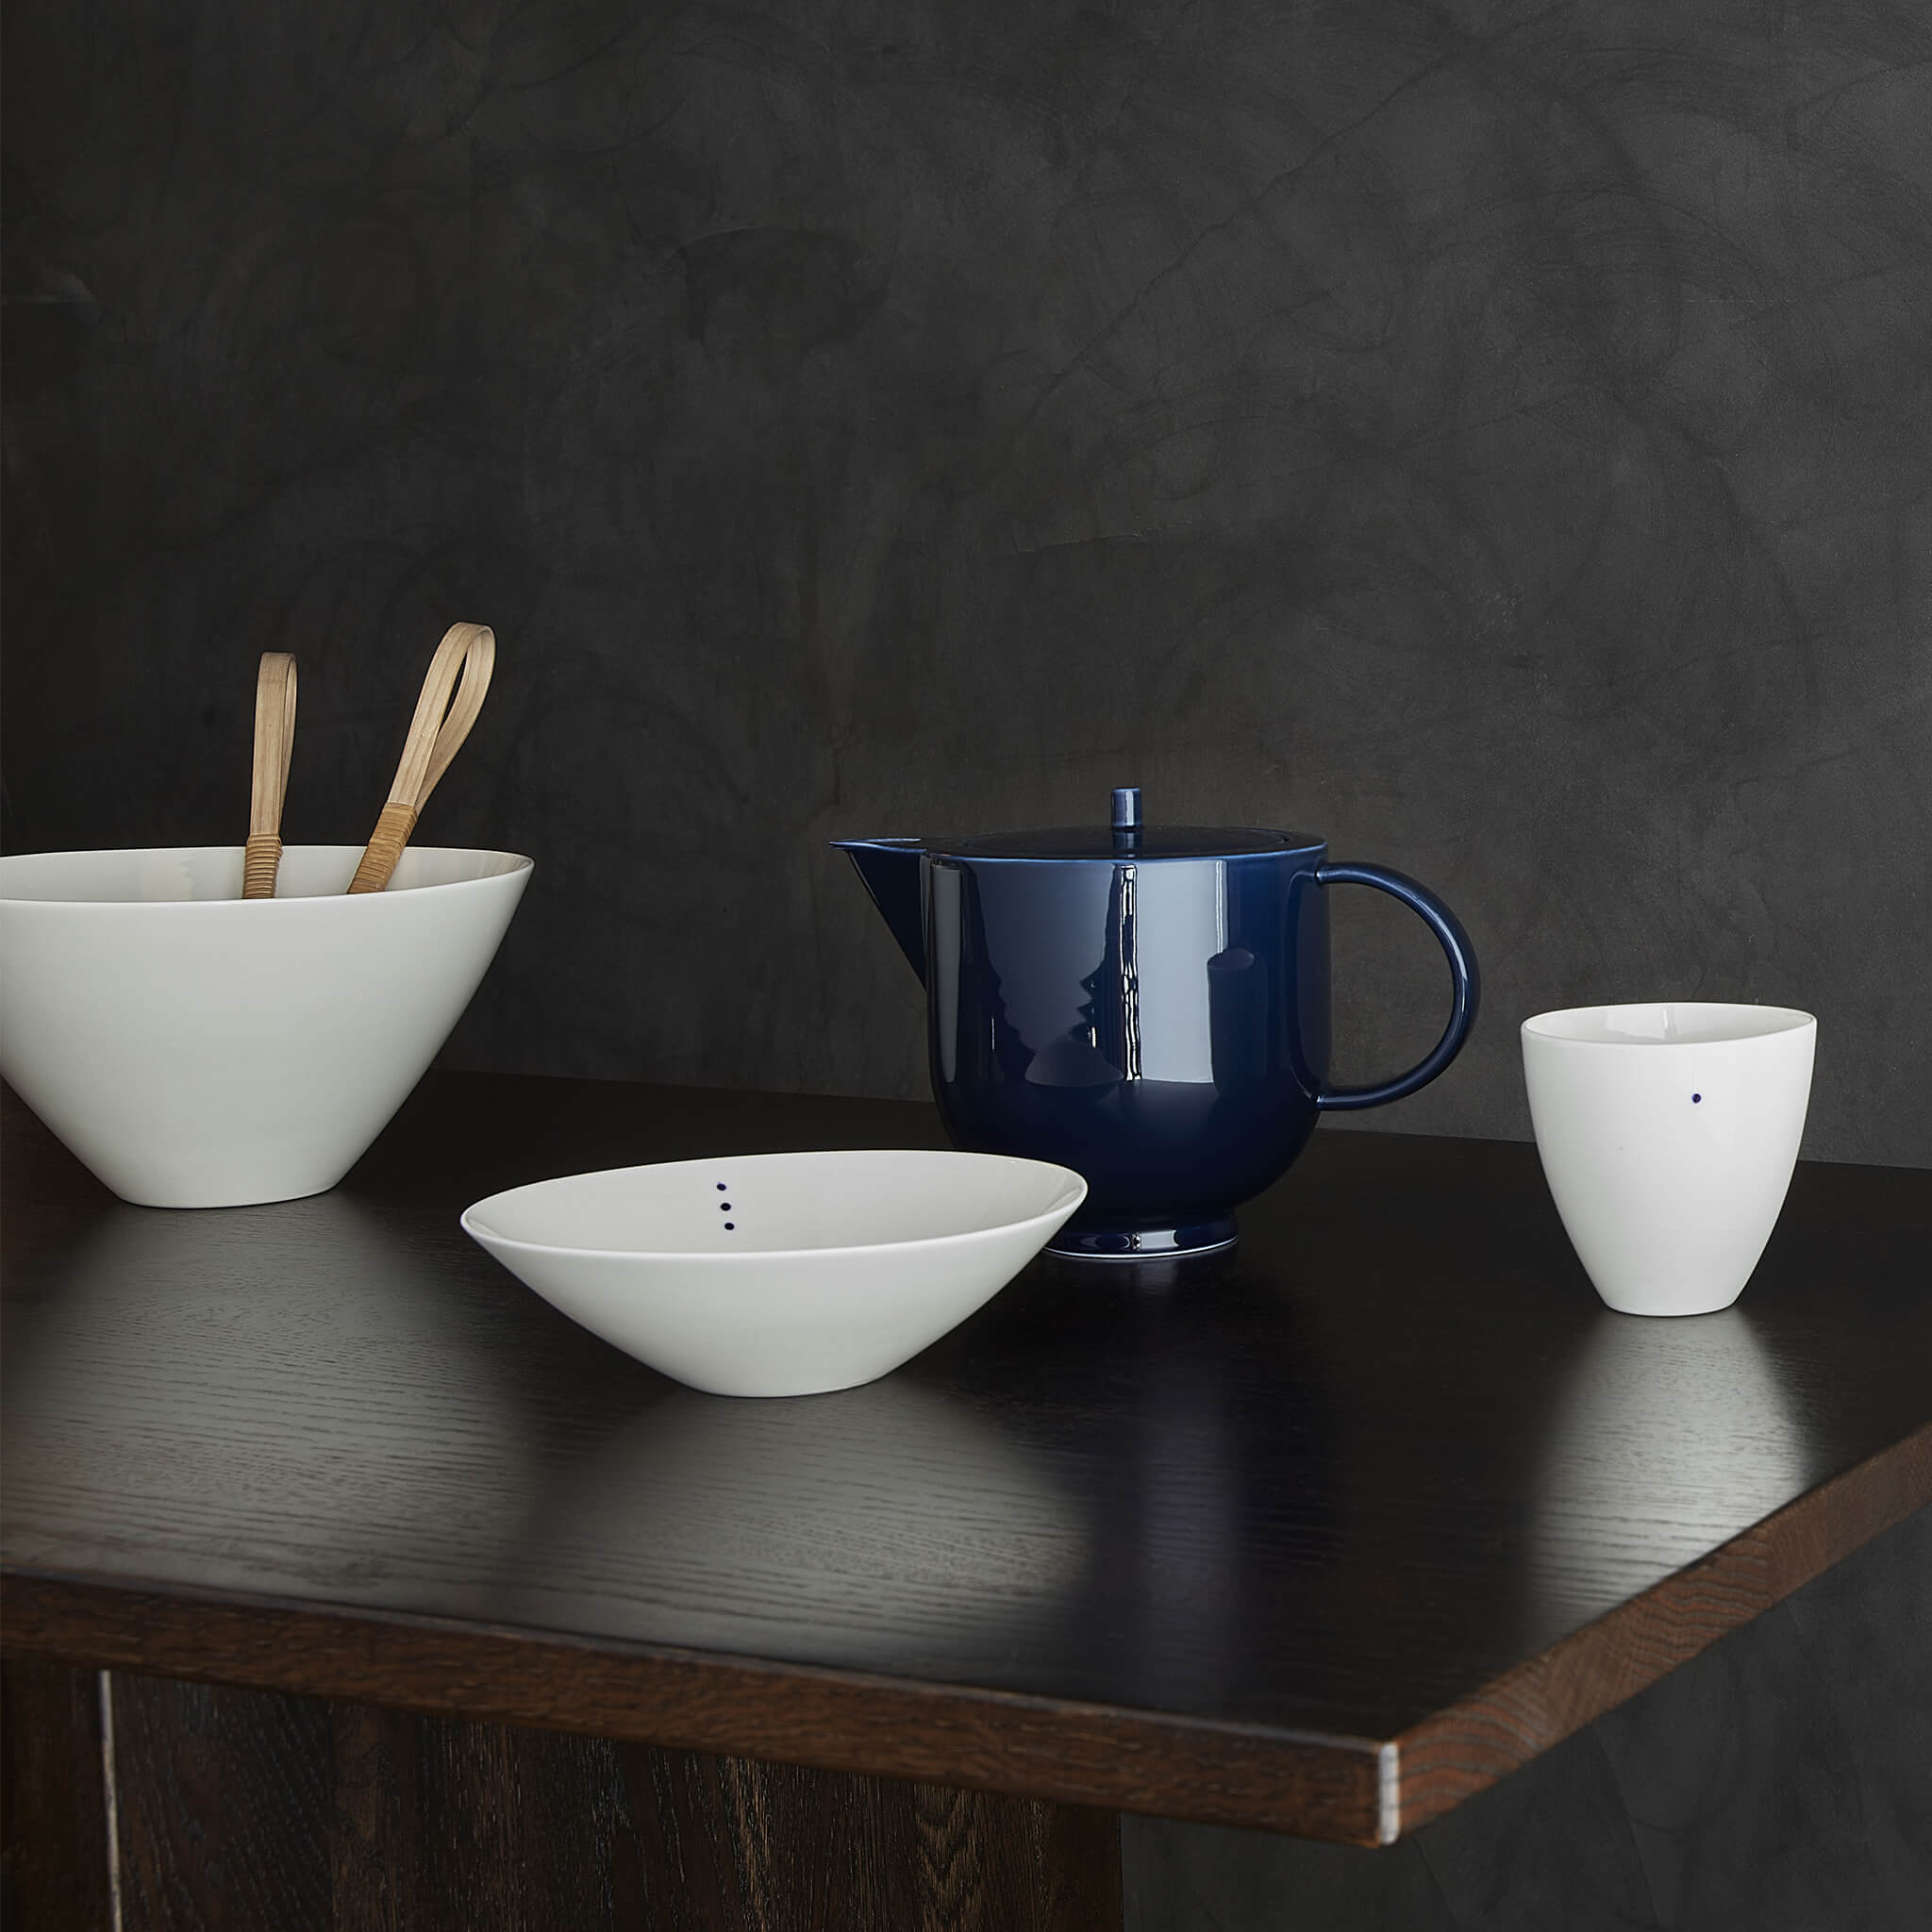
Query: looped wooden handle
(453, 693)
(275, 745)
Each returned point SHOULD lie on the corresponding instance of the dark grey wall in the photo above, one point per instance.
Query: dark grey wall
(1497, 437)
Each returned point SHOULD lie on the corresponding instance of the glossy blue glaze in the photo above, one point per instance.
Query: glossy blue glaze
(1147, 1006)
(1464, 977)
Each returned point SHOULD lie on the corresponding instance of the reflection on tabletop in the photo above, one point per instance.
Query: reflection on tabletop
(297, 1373)
(1330, 1479)
(1658, 1424)
(808, 1509)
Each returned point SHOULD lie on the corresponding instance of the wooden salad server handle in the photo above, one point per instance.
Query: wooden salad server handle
(275, 745)
(453, 693)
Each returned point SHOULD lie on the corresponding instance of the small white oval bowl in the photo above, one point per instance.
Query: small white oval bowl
(826, 1269)
(1668, 1131)
(197, 1050)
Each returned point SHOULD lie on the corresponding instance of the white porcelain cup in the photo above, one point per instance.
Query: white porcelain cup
(1668, 1133)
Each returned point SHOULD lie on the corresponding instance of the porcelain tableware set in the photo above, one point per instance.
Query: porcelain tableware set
(1128, 1028)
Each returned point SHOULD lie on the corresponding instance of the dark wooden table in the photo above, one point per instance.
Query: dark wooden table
(1320, 1538)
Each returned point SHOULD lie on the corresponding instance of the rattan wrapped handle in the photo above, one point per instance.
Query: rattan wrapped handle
(453, 693)
(275, 745)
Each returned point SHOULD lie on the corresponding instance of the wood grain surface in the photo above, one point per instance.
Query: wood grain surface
(1082, 1755)
(54, 1862)
(1467, 1747)
(1321, 1539)
(241, 1810)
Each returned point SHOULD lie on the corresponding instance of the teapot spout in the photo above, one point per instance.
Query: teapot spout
(890, 870)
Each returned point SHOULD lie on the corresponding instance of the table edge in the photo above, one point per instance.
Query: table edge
(1353, 1790)
(1471, 1745)
(1063, 1751)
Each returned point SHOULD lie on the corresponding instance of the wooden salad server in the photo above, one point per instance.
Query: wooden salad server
(452, 693)
(274, 743)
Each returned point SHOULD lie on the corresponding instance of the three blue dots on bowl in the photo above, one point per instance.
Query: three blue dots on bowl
(724, 1207)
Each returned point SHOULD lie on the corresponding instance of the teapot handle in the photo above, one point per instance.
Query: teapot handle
(1462, 972)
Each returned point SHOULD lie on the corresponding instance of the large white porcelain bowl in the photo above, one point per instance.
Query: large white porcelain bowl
(778, 1273)
(197, 1050)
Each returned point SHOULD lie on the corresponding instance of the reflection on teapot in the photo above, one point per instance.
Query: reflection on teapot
(1147, 1006)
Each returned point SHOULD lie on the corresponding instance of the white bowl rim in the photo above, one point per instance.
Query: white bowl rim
(1778, 1020)
(741, 1257)
(519, 863)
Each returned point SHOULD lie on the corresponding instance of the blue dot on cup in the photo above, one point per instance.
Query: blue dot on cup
(1695, 1099)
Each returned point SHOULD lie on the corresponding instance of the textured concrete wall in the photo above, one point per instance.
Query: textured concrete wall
(1495, 437)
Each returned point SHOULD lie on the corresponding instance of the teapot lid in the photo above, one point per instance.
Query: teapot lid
(1127, 837)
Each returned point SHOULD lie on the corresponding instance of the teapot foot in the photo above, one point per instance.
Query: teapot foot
(1142, 1243)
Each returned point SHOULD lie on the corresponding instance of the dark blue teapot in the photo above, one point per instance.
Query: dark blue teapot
(1147, 1006)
